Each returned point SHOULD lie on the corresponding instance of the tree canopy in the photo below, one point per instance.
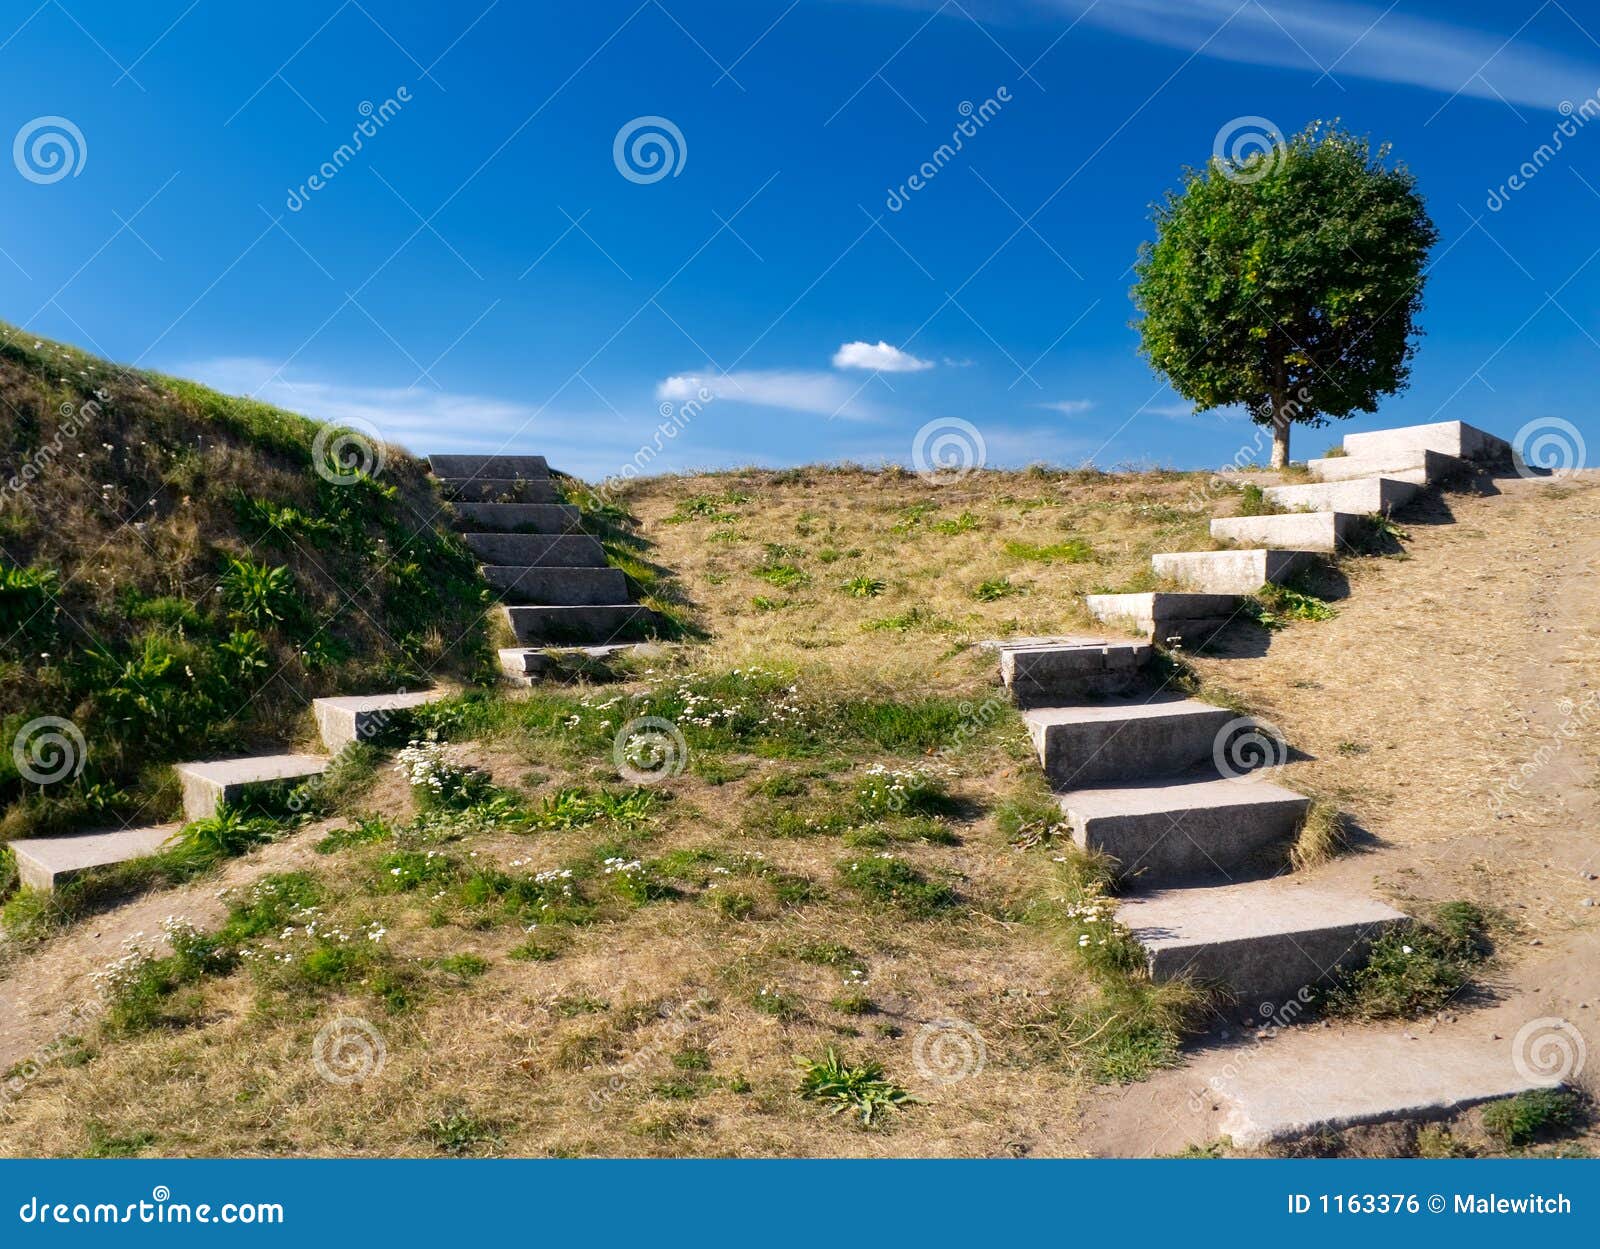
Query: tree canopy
(1289, 283)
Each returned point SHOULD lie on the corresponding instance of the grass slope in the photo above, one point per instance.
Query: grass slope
(176, 578)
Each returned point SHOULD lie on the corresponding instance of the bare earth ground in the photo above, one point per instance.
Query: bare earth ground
(1442, 676)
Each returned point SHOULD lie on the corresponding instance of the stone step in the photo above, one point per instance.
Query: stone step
(501, 490)
(207, 785)
(534, 550)
(1162, 616)
(1421, 466)
(557, 587)
(588, 624)
(1264, 940)
(525, 663)
(1043, 671)
(1185, 828)
(1398, 1076)
(1454, 438)
(1231, 572)
(1125, 739)
(1292, 531)
(1363, 496)
(46, 862)
(468, 467)
(518, 517)
(362, 717)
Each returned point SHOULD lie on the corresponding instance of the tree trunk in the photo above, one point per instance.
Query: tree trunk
(1280, 438)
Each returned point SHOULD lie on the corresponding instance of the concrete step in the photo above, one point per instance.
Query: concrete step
(46, 862)
(1124, 739)
(1264, 940)
(524, 664)
(1043, 671)
(207, 785)
(1159, 617)
(1420, 466)
(535, 550)
(1231, 572)
(518, 517)
(459, 467)
(1185, 828)
(1363, 496)
(1453, 438)
(501, 490)
(341, 721)
(590, 624)
(1397, 1076)
(1292, 531)
(557, 587)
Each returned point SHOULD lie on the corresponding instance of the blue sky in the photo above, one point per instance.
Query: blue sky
(483, 274)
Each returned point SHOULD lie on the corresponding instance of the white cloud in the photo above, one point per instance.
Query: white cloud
(1350, 40)
(426, 420)
(879, 356)
(1068, 407)
(794, 390)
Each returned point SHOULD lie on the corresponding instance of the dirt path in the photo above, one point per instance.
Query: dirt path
(45, 993)
(1436, 710)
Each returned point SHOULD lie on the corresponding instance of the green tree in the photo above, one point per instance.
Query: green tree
(1289, 283)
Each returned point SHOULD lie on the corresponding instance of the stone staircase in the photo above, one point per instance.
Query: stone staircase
(46, 862)
(1381, 471)
(559, 596)
(1161, 783)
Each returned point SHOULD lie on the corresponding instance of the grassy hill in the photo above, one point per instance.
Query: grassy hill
(177, 579)
(843, 883)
